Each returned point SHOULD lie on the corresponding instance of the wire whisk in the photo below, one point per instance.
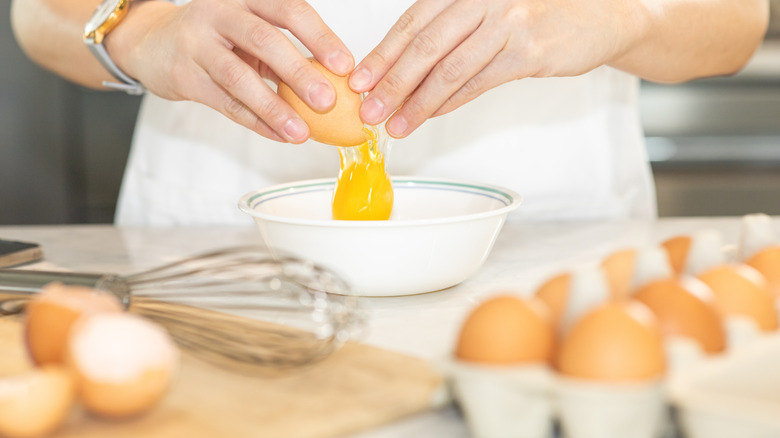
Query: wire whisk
(237, 307)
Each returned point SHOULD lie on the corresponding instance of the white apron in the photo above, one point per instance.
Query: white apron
(572, 147)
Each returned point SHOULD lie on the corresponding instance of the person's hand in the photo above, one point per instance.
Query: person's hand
(217, 52)
(443, 53)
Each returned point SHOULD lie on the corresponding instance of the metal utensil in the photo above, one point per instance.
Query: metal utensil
(237, 307)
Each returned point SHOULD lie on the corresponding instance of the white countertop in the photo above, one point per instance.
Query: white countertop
(423, 325)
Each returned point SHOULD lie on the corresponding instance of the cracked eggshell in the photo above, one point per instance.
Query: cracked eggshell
(35, 403)
(124, 364)
(50, 315)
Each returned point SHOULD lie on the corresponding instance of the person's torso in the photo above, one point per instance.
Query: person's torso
(572, 147)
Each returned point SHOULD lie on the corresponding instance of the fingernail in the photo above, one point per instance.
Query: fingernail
(341, 62)
(322, 96)
(360, 79)
(296, 129)
(397, 126)
(372, 110)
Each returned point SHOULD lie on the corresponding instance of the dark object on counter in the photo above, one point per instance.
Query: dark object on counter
(13, 253)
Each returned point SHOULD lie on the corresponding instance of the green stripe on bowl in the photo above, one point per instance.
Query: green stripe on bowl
(506, 196)
(503, 194)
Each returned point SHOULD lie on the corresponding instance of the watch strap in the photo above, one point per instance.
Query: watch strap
(127, 84)
(102, 22)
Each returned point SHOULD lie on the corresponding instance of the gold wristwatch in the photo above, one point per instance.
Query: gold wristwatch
(106, 17)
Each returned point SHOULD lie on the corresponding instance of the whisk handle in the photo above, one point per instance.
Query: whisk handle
(18, 286)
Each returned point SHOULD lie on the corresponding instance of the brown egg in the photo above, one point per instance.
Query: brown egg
(619, 269)
(506, 329)
(339, 126)
(686, 307)
(555, 294)
(740, 290)
(767, 262)
(617, 341)
(677, 248)
(49, 316)
(35, 403)
(123, 363)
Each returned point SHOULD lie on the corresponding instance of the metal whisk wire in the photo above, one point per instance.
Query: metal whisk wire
(238, 307)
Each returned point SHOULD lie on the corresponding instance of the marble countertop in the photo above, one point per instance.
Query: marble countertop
(424, 325)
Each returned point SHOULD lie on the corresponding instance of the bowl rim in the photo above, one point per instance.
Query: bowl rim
(510, 197)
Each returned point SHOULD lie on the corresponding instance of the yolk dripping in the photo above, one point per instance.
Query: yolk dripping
(363, 190)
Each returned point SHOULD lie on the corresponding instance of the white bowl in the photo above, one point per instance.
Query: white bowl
(440, 232)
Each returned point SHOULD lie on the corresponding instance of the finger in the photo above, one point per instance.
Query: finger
(245, 88)
(379, 61)
(305, 23)
(430, 46)
(496, 73)
(265, 42)
(446, 78)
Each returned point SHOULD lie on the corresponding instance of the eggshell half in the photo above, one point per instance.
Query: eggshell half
(35, 403)
(50, 315)
(339, 126)
(505, 330)
(123, 363)
(128, 398)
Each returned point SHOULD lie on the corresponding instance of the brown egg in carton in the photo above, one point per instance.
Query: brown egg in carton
(501, 376)
(85, 349)
(737, 391)
(700, 311)
(516, 382)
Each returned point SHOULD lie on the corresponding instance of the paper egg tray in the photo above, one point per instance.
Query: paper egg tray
(736, 394)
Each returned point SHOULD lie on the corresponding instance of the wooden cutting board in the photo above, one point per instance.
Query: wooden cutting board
(356, 388)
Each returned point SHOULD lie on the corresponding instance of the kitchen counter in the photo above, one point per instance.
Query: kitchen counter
(423, 325)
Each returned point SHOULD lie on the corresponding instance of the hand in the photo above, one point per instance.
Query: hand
(217, 52)
(444, 53)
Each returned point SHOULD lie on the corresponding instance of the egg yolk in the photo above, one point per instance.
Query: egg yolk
(363, 190)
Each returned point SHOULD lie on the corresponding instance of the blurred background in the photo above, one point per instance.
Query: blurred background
(714, 144)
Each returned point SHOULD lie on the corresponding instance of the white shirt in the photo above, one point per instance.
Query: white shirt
(572, 147)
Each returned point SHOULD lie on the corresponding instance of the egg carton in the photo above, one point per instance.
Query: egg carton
(733, 395)
(736, 394)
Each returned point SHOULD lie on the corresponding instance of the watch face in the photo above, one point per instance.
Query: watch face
(102, 14)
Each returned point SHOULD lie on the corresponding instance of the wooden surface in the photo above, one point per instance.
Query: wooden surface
(354, 389)
(14, 253)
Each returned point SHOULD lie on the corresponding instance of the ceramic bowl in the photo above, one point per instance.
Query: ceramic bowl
(440, 232)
